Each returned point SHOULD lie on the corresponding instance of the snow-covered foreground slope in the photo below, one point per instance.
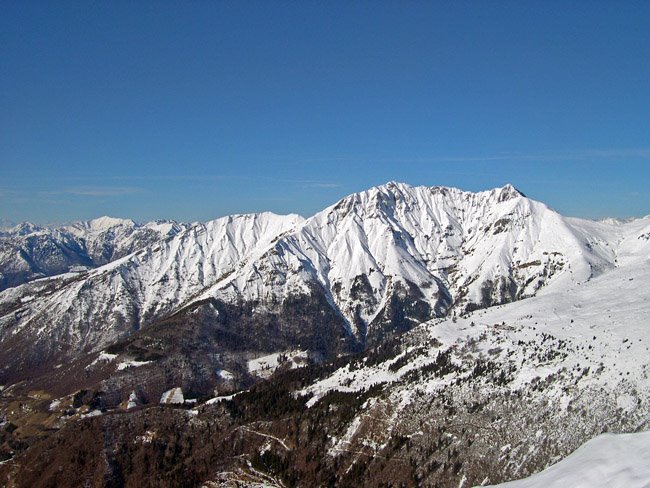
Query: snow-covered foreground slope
(608, 461)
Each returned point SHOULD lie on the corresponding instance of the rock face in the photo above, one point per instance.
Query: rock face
(440, 335)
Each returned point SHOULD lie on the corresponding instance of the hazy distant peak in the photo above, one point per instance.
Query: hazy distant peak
(106, 222)
(25, 228)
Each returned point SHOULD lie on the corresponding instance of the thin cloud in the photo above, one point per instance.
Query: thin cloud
(271, 199)
(303, 183)
(616, 154)
(633, 153)
(5, 192)
(89, 191)
(323, 185)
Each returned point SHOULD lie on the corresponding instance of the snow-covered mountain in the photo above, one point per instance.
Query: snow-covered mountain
(29, 251)
(415, 336)
(385, 260)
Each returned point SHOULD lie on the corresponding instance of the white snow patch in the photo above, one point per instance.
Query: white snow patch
(221, 398)
(92, 413)
(133, 398)
(265, 366)
(146, 438)
(173, 396)
(103, 357)
(225, 374)
(129, 363)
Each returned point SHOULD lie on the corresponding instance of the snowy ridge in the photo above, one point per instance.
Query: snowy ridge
(151, 282)
(446, 242)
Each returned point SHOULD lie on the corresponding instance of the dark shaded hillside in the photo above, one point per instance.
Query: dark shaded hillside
(273, 433)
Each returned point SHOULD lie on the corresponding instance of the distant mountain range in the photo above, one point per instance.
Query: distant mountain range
(29, 251)
(472, 319)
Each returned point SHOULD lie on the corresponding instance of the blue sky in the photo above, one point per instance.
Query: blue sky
(194, 110)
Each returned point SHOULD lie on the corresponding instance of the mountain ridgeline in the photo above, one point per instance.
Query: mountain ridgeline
(374, 264)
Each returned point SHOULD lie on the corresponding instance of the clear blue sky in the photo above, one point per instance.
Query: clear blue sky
(194, 110)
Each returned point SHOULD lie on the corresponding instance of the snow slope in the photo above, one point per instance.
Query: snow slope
(608, 461)
(528, 331)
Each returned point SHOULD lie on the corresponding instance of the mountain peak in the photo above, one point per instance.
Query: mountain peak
(392, 184)
(393, 194)
(25, 228)
(509, 192)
